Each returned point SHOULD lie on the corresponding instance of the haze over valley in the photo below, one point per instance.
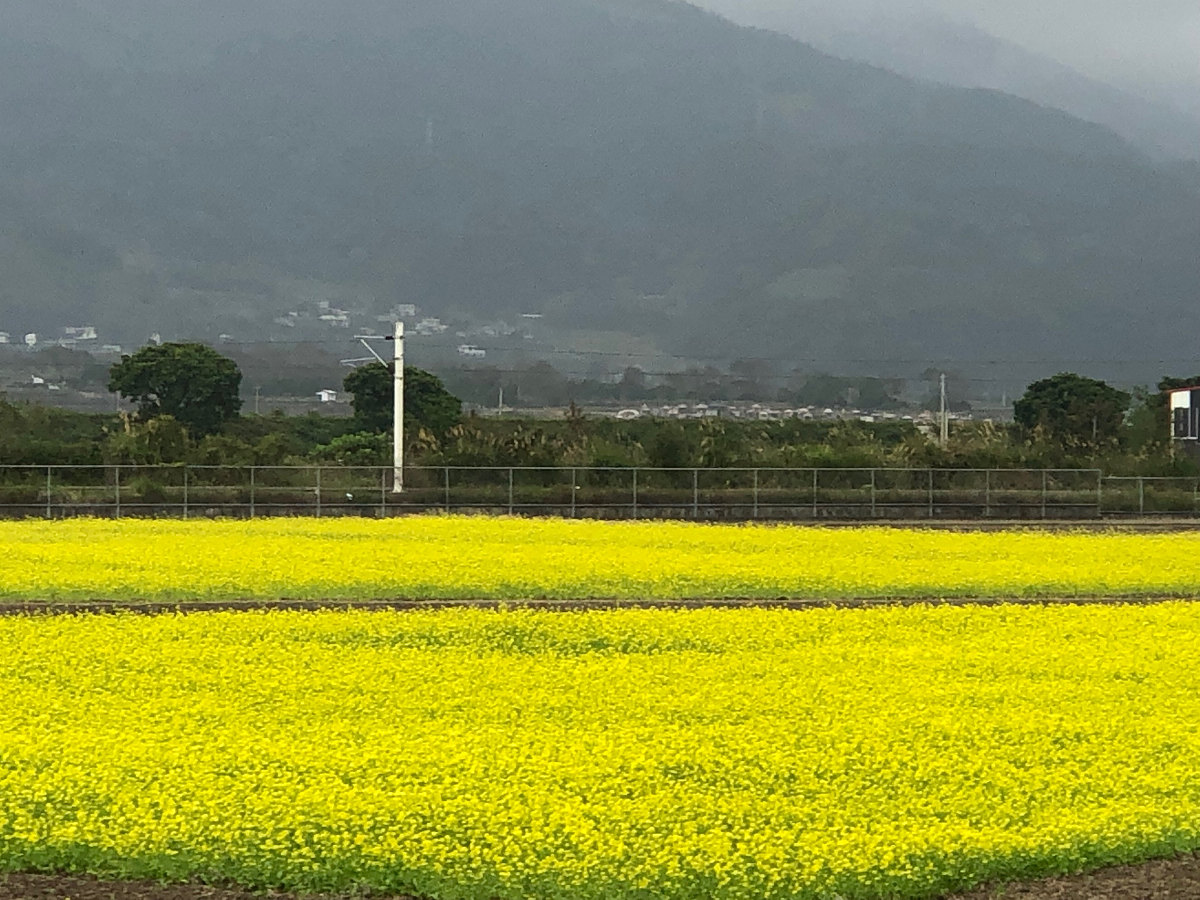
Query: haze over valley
(638, 181)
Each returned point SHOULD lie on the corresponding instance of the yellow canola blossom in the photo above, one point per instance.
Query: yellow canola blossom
(465, 557)
(749, 754)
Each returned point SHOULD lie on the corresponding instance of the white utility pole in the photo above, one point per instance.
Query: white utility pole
(398, 411)
(944, 419)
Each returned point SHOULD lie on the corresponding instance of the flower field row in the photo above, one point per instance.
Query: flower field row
(462, 557)
(896, 752)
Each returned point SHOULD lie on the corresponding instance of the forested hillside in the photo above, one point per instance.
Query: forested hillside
(630, 166)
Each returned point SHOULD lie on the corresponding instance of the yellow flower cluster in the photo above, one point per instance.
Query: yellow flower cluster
(464, 557)
(755, 754)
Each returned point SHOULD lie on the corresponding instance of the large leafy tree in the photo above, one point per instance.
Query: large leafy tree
(427, 403)
(1073, 409)
(190, 382)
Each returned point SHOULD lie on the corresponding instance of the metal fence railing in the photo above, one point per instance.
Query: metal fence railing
(727, 494)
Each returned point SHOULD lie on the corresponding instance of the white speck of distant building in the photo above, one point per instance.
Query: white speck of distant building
(431, 325)
(335, 318)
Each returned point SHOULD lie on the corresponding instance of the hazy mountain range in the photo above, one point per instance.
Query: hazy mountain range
(935, 48)
(635, 170)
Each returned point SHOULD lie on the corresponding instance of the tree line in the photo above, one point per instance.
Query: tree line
(188, 411)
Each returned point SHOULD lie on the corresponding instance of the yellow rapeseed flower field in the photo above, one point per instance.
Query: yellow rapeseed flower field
(464, 557)
(751, 754)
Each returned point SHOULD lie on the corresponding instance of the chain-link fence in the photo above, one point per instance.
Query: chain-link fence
(728, 494)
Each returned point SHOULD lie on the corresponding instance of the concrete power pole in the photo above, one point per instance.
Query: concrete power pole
(944, 418)
(397, 401)
(398, 411)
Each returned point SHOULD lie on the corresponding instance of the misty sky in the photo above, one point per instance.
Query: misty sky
(1158, 38)
(1155, 40)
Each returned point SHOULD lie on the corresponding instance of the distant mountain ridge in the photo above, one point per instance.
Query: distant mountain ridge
(637, 167)
(931, 47)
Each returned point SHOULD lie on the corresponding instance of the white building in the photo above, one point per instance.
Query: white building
(327, 396)
(431, 325)
(336, 318)
(80, 332)
(1185, 413)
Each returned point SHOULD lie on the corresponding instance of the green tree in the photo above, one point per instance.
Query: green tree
(668, 449)
(159, 440)
(358, 449)
(190, 382)
(1074, 410)
(427, 403)
(371, 386)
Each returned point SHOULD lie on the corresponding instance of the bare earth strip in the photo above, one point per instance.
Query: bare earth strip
(54, 607)
(1175, 879)
(1171, 879)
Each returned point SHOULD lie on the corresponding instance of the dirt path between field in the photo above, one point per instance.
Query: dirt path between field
(1176, 879)
(1170, 879)
(54, 607)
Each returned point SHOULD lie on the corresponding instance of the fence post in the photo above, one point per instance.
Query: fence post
(1141, 495)
(756, 493)
(383, 493)
(695, 493)
(814, 510)
(253, 492)
(873, 512)
(117, 488)
(574, 489)
(318, 492)
(931, 493)
(1099, 494)
(1044, 491)
(987, 494)
(186, 470)
(49, 511)
(635, 509)
(446, 472)
(510, 490)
